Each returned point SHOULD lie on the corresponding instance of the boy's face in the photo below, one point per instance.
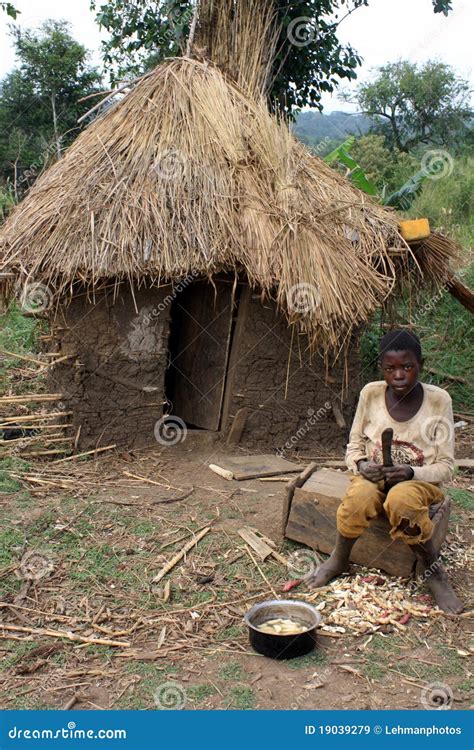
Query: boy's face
(400, 370)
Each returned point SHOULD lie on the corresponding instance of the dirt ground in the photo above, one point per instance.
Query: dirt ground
(103, 534)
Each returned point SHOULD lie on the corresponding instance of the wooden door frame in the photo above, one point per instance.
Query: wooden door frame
(243, 306)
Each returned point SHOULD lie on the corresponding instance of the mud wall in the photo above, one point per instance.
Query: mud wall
(285, 388)
(113, 381)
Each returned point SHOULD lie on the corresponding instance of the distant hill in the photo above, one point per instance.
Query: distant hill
(317, 129)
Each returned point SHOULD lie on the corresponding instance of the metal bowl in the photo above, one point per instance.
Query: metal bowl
(278, 646)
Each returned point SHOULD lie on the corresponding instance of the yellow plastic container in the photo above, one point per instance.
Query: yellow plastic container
(415, 229)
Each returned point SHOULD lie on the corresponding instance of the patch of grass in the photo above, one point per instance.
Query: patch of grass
(143, 527)
(198, 693)
(232, 671)
(18, 652)
(374, 671)
(9, 538)
(9, 465)
(242, 697)
(467, 686)
(315, 659)
(228, 634)
(379, 651)
(462, 498)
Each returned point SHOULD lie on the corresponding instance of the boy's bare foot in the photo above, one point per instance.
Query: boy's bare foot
(332, 568)
(335, 565)
(443, 592)
(437, 579)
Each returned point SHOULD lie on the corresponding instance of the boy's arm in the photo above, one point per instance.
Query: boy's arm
(441, 431)
(355, 450)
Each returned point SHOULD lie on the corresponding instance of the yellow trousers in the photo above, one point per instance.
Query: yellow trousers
(405, 504)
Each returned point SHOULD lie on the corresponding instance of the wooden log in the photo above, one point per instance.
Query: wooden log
(179, 555)
(446, 375)
(462, 293)
(290, 491)
(312, 521)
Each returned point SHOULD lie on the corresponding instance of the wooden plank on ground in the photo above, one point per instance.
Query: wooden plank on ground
(262, 549)
(253, 467)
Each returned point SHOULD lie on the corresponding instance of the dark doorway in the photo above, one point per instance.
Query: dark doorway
(200, 335)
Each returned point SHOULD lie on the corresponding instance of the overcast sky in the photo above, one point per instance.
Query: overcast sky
(384, 32)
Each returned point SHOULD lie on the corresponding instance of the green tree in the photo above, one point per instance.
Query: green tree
(385, 168)
(316, 63)
(9, 9)
(39, 104)
(413, 105)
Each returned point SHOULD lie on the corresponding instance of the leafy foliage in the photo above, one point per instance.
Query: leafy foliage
(309, 61)
(10, 10)
(39, 104)
(414, 105)
(140, 31)
(355, 172)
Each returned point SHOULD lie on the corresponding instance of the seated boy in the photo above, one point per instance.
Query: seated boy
(423, 455)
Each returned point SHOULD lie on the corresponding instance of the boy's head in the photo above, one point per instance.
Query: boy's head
(400, 360)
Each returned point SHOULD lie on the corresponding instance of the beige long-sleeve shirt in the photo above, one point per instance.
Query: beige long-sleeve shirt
(425, 442)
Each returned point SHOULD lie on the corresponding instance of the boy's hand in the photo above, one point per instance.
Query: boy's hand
(397, 473)
(370, 470)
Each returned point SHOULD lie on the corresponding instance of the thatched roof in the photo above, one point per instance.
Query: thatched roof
(188, 174)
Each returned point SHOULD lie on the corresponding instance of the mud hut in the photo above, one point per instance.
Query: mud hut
(195, 260)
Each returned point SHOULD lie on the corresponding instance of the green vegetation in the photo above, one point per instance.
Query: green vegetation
(242, 697)
(315, 659)
(310, 58)
(462, 498)
(39, 104)
(412, 105)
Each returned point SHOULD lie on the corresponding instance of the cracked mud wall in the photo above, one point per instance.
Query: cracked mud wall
(285, 389)
(114, 380)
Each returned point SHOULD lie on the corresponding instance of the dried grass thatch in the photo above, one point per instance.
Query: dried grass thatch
(188, 174)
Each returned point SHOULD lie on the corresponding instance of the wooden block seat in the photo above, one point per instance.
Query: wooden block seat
(312, 521)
